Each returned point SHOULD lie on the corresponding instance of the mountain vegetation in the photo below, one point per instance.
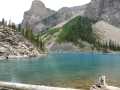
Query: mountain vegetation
(80, 28)
(26, 32)
(33, 38)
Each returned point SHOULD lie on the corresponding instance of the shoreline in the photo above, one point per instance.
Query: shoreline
(20, 56)
(64, 52)
(84, 52)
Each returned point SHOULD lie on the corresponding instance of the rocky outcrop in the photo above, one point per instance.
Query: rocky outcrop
(41, 18)
(37, 12)
(14, 44)
(108, 10)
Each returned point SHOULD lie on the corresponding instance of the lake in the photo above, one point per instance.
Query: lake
(76, 70)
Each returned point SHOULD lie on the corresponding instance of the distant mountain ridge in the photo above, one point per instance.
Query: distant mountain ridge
(41, 18)
(107, 10)
(64, 14)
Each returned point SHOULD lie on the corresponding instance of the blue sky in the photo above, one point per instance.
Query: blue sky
(14, 9)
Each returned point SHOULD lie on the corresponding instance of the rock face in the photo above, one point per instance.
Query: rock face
(37, 12)
(14, 44)
(64, 14)
(108, 10)
(41, 18)
(107, 32)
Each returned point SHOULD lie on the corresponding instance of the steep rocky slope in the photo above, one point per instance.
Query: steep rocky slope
(14, 44)
(107, 10)
(63, 15)
(37, 12)
(41, 18)
(107, 32)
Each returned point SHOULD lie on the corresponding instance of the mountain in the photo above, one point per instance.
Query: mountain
(75, 35)
(41, 18)
(37, 12)
(63, 15)
(83, 34)
(89, 27)
(13, 44)
(107, 10)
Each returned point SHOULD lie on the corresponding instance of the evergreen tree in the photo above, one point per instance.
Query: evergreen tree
(13, 26)
(3, 21)
(19, 28)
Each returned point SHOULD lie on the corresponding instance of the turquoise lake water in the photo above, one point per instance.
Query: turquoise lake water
(76, 70)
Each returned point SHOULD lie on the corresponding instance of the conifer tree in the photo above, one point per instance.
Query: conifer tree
(3, 21)
(19, 28)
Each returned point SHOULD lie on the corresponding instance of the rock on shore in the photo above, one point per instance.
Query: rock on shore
(13, 43)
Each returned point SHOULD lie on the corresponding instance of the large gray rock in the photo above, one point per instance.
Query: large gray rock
(108, 10)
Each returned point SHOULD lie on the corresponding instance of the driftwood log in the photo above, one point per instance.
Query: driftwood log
(102, 85)
(18, 86)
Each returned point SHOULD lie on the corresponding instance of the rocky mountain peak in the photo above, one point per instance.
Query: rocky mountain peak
(37, 12)
(41, 18)
(108, 10)
(37, 4)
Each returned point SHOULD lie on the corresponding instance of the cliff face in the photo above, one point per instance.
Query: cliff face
(108, 10)
(41, 18)
(37, 12)
(64, 14)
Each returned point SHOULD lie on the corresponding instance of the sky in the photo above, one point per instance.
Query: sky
(14, 9)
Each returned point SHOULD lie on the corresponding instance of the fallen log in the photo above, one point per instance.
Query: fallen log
(18, 86)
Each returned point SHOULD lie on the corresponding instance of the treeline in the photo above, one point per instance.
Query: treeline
(9, 24)
(111, 45)
(33, 38)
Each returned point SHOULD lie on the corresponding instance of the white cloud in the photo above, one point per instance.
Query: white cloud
(14, 9)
